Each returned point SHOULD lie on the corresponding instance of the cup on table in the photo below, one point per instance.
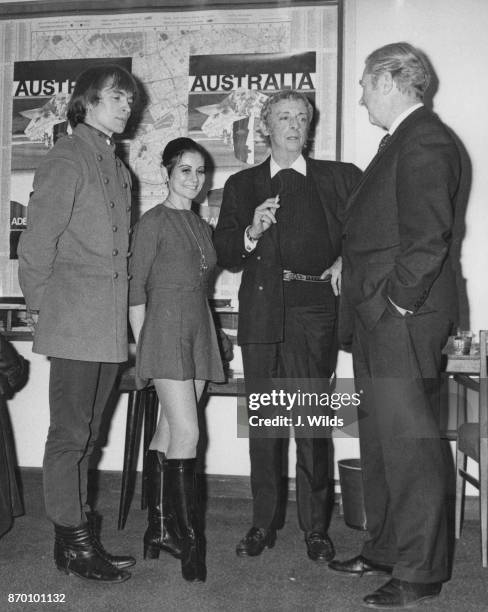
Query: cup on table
(462, 343)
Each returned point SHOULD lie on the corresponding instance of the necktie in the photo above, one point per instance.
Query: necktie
(383, 142)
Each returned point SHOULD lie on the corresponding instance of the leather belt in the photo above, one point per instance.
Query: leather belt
(288, 275)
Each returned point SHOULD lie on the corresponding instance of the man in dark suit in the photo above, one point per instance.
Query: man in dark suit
(286, 215)
(399, 304)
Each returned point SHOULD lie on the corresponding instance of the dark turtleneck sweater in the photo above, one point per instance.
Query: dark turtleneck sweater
(303, 237)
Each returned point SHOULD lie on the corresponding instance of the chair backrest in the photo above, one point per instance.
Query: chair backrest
(483, 385)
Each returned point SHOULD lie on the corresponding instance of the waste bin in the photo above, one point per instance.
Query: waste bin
(351, 479)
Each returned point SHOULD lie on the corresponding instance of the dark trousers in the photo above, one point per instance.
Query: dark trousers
(78, 393)
(397, 366)
(309, 350)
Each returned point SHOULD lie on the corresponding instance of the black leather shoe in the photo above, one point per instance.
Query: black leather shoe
(319, 547)
(359, 566)
(255, 541)
(94, 526)
(400, 594)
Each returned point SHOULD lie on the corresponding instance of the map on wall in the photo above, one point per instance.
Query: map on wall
(161, 47)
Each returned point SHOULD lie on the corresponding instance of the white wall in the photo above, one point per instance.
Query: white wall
(453, 34)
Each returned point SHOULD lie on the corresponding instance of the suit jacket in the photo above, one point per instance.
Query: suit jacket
(398, 233)
(261, 306)
(73, 254)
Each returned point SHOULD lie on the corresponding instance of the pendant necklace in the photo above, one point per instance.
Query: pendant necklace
(203, 260)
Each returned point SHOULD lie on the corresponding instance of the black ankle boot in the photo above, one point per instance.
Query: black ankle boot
(95, 525)
(182, 488)
(75, 553)
(161, 532)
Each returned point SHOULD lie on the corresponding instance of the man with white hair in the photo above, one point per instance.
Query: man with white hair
(281, 221)
(398, 307)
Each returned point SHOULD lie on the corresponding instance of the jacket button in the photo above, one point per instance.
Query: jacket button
(116, 275)
(114, 228)
(112, 204)
(258, 257)
(105, 180)
(125, 185)
(128, 209)
(99, 157)
(115, 252)
(129, 276)
(129, 253)
(260, 287)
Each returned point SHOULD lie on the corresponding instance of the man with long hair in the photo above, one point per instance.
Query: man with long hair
(73, 273)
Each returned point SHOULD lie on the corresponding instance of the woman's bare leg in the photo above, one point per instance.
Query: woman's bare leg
(178, 399)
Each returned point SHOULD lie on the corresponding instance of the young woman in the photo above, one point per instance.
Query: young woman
(173, 258)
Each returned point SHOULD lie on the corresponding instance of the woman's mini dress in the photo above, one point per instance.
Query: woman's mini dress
(171, 264)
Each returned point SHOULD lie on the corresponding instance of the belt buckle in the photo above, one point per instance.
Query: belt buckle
(288, 275)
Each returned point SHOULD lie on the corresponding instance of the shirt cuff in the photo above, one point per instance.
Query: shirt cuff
(249, 243)
(402, 311)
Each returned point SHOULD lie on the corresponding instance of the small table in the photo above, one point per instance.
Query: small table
(462, 368)
(141, 404)
(470, 372)
(462, 364)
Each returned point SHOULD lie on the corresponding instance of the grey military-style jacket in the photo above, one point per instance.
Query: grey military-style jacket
(73, 254)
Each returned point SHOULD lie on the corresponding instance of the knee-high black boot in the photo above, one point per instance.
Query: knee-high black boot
(182, 488)
(75, 553)
(161, 532)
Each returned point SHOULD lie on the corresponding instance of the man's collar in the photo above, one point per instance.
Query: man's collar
(105, 137)
(300, 165)
(402, 116)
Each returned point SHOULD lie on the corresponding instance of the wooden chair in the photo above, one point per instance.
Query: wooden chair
(472, 441)
(142, 405)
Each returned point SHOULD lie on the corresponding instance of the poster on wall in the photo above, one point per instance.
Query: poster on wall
(41, 92)
(227, 93)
